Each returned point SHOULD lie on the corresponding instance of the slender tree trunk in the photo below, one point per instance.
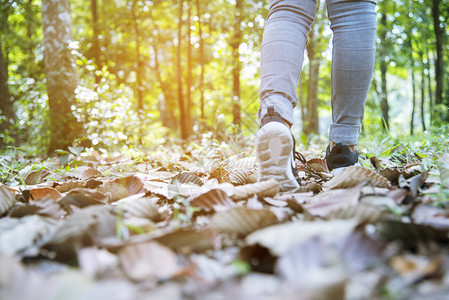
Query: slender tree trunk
(423, 91)
(236, 40)
(383, 74)
(182, 119)
(384, 100)
(412, 119)
(439, 68)
(95, 40)
(189, 71)
(139, 73)
(61, 73)
(166, 107)
(429, 88)
(7, 115)
(200, 33)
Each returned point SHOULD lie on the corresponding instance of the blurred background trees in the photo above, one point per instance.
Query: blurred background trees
(138, 73)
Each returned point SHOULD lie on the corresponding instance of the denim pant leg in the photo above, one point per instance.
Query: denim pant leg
(282, 53)
(353, 54)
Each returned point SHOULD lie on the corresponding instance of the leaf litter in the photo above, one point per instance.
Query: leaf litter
(200, 230)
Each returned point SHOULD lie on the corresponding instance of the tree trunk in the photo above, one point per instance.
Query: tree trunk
(412, 119)
(139, 73)
(7, 115)
(166, 107)
(429, 88)
(383, 74)
(95, 40)
(182, 118)
(61, 73)
(439, 68)
(235, 44)
(189, 72)
(384, 100)
(423, 90)
(200, 33)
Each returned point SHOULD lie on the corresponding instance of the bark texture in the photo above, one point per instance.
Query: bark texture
(61, 73)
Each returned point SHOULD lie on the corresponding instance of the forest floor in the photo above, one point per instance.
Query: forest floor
(193, 223)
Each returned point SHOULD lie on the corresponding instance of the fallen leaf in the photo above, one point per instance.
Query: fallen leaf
(325, 203)
(364, 213)
(146, 260)
(279, 239)
(68, 186)
(211, 199)
(186, 240)
(35, 177)
(314, 268)
(45, 193)
(82, 198)
(7, 199)
(268, 188)
(432, 216)
(95, 262)
(140, 206)
(242, 220)
(86, 227)
(186, 177)
(19, 236)
(355, 175)
(360, 251)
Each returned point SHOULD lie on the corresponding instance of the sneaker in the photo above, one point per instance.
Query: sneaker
(275, 148)
(340, 157)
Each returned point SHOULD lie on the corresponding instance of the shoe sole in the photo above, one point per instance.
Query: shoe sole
(274, 150)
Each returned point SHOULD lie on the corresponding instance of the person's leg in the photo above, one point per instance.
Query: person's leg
(354, 43)
(282, 52)
(281, 55)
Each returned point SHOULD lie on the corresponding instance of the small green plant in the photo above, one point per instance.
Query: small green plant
(11, 164)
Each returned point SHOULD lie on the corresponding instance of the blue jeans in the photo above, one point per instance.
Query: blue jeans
(354, 43)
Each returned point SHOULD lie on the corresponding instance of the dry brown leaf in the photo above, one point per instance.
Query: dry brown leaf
(313, 268)
(360, 251)
(236, 162)
(35, 177)
(432, 216)
(83, 198)
(132, 183)
(355, 175)
(268, 188)
(18, 236)
(95, 262)
(113, 191)
(7, 199)
(242, 220)
(323, 204)
(45, 193)
(414, 267)
(86, 173)
(363, 212)
(68, 186)
(186, 241)
(140, 206)
(147, 260)
(186, 177)
(318, 164)
(238, 177)
(279, 239)
(88, 226)
(209, 200)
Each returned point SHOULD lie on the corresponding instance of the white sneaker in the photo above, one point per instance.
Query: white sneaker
(275, 155)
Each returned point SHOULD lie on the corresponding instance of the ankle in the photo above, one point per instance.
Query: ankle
(332, 144)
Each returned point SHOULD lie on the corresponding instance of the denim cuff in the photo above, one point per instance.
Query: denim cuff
(281, 105)
(345, 134)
